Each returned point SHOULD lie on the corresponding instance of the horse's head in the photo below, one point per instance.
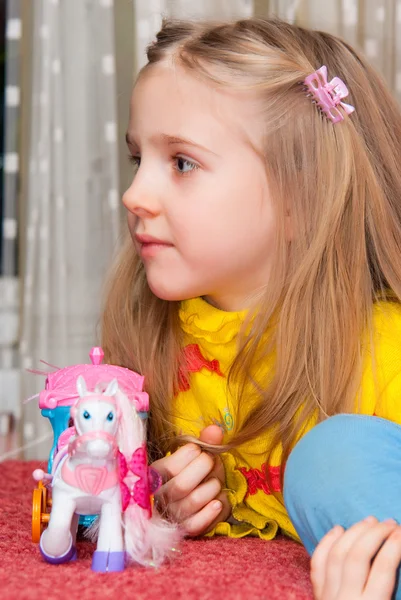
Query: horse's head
(96, 418)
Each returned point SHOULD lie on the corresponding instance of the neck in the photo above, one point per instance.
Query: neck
(231, 303)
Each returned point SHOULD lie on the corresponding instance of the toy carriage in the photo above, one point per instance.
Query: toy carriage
(55, 402)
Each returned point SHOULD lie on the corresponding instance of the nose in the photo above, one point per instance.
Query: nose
(141, 199)
(98, 449)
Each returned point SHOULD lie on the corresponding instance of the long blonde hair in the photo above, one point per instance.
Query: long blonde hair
(341, 186)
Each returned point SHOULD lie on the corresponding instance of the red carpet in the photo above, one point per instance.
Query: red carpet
(207, 569)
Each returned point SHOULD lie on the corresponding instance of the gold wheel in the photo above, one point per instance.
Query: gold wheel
(40, 513)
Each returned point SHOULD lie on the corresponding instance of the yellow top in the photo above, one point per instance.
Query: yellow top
(210, 342)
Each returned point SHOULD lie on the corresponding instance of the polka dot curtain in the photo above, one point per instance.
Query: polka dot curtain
(9, 283)
(73, 210)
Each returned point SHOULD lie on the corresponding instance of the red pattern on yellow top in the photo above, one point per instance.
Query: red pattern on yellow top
(194, 361)
(257, 479)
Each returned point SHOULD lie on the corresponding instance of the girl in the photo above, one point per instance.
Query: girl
(259, 291)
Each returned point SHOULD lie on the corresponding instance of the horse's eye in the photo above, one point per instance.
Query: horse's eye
(110, 416)
(86, 415)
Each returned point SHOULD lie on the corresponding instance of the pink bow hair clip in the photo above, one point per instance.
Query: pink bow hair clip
(143, 489)
(328, 95)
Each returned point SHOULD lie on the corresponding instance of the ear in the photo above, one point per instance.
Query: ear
(81, 387)
(111, 388)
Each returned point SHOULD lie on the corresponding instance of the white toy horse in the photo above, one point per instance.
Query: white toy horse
(103, 471)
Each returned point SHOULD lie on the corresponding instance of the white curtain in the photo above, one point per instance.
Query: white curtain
(72, 208)
(10, 167)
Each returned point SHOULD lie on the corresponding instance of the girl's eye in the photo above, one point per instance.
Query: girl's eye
(184, 166)
(86, 415)
(135, 161)
(110, 416)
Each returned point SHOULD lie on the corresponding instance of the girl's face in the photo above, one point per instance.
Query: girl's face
(199, 210)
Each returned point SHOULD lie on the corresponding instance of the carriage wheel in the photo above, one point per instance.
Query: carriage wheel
(40, 513)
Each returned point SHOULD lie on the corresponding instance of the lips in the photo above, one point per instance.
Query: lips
(149, 239)
(150, 246)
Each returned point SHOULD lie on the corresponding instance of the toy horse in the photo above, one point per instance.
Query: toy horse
(101, 469)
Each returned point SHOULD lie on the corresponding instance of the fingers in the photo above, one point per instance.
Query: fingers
(383, 573)
(170, 466)
(363, 548)
(196, 500)
(187, 480)
(212, 434)
(218, 470)
(200, 521)
(338, 552)
(320, 558)
(341, 564)
(193, 480)
(225, 511)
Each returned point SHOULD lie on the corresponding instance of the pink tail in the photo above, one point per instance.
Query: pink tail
(149, 542)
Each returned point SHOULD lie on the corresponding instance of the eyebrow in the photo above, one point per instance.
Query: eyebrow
(172, 140)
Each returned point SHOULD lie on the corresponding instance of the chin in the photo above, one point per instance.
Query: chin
(171, 293)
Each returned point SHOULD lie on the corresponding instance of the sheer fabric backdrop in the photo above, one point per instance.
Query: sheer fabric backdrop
(72, 204)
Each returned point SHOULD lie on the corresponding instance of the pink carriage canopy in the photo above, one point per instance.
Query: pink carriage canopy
(61, 385)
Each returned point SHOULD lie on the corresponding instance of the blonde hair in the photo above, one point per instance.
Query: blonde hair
(341, 185)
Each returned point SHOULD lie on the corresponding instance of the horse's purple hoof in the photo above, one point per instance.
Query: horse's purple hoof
(99, 561)
(68, 556)
(108, 562)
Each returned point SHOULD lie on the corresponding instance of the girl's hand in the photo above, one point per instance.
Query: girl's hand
(193, 480)
(342, 568)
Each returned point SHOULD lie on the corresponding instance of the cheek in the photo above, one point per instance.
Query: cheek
(227, 228)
